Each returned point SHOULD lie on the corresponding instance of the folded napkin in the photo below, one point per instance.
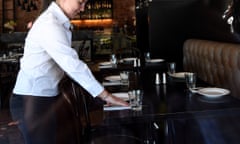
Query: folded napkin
(111, 83)
(104, 66)
(113, 108)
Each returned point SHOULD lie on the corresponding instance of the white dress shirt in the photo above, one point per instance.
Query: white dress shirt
(48, 54)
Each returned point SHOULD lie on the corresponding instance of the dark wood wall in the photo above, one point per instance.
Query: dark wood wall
(169, 23)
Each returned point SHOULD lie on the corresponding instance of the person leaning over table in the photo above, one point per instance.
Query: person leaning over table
(47, 56)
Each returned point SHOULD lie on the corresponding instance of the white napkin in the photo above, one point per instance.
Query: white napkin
(112, 108)
(111, 83)
(122, 95)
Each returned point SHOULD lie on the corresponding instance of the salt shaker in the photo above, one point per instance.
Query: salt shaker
(157, 79)
(135, 63)
(138, 62)
(164, 81)
(4, 56)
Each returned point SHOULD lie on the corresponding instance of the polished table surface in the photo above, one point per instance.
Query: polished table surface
(172, 114)
(172, 99)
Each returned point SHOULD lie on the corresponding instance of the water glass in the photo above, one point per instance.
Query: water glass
(190, 80)
(135, 99)
(171, 67)
(147, 56)
(113, 59)
(4, 56)
(10, 53)
(124, 75)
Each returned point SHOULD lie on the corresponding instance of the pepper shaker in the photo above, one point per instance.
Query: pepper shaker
(164, 81)
(135, 63)
(157, 79)
(139, 63)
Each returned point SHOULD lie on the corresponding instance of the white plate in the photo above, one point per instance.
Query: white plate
(104, 66)
(9, 60)
(113, 78)
(122, 95)
(156, 60)
(105, 63)
(213, 92)
(129, 59)
(178, 75)
(18, 54)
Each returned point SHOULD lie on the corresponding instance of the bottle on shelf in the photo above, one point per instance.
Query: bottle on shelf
(98, 9)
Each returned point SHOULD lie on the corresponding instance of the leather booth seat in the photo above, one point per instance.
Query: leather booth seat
(217, 63)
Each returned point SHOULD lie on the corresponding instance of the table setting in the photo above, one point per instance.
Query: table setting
(122, 95)
(8, 59)
(186, 82)
(105, 64)
(212, 95)
(156, 60)
(118, 79)
(171, 66)
(209, 93)
(129, 60)
(153, 63)
(182, 96)
(121, 84)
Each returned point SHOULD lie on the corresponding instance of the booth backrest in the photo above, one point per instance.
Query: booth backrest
(217, 63)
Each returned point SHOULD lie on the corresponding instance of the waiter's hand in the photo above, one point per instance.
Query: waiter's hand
(112, 100)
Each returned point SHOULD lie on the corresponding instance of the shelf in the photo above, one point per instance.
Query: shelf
(97, 9)
(8, 13)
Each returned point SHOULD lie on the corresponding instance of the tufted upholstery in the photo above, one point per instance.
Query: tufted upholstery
(217, 63)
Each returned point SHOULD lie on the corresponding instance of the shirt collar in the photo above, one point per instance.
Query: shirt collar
(60, 15)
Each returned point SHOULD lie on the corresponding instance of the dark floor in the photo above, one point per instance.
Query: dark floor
(9, 134)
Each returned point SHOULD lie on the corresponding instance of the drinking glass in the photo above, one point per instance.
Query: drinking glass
(190, 80)
(135, 99)
(113, 59)
(124, 75)
(4, 56)
(171, 67)
(147, 56)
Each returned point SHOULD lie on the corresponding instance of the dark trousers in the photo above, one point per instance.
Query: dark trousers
(36, 116)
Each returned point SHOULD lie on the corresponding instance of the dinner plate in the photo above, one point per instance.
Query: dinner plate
(104, 66)
(155, 60)
(213, 92)
(105, 63)
(113, 78)
(18, 55)
(178, 75)
(122, 95)
(9, 60)
(129, 59)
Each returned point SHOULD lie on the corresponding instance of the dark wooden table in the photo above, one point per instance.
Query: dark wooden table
(172, 114)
